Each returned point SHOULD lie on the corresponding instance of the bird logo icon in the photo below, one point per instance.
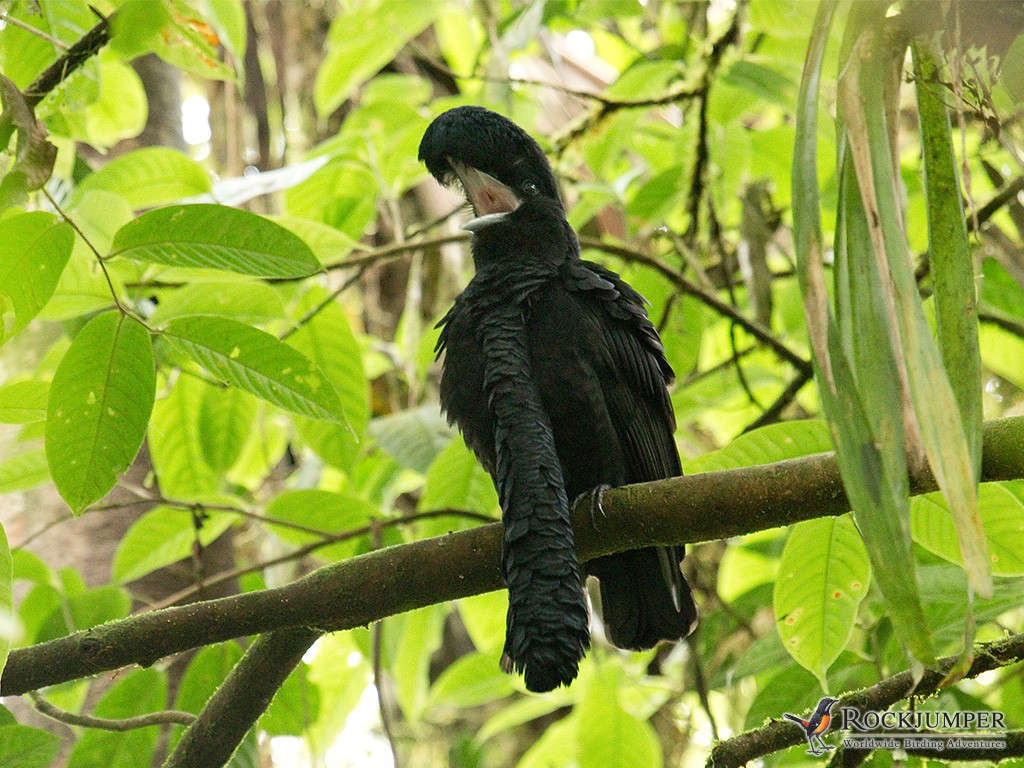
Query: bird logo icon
(816, 725)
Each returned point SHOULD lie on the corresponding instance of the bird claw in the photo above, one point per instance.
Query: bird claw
(595, 495)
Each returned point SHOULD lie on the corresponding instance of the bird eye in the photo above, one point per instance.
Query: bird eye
(530, 188)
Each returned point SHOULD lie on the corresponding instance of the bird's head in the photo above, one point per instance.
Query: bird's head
(498, 164)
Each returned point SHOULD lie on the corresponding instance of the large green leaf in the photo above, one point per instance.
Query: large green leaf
(609, 736)
(174, 442)
(24, 747)
(321, 511)
(470, 681)
(1001, 506)
(137, 693)
(226, 417)
(328, 341)
(294, 707)
(215, 237)
(247, 301)
(162, 536)
(34, 249)
(99, 406)
(413, 438)
(455, 480)
(823, 576)
(23, 402)
(23, 470)
(148, 177)
(766, 445)
(421, 635)
(361, 41)
(258, 363)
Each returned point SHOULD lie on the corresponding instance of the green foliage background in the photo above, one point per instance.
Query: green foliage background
(268, 337)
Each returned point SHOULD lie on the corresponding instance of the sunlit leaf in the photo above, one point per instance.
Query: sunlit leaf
(162, 536)
(823, 575)
(215, 237)
(148, 177)
(34, 249)
(258, 363)
(100, 400)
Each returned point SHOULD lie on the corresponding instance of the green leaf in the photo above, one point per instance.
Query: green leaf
(455, 480)
(137, 693)
(323, 511)
(523, 710)
(228, 18)
(952, 265)
(823, 576)
(82, 608)
(34, 250)
(245, 301)
(328, 341)
(23, 471)
(1001, 506)
(174, 443)
(294, 707)
(8, 624)
(341, 674)
(24, 747)
(120, 111)
(100, 401)
(136, 26)
(470, 681)
(226, 417)
(148, 177)
(484, 617)
(215, 237)
(23, 402)
(558, 745)
(776, 442)
(258, 363)
(610, 737)
(414, 437)
(204, 675)
(361, 41)
(421, 635)
(162, 536)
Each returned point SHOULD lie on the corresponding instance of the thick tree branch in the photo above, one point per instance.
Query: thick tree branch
(239, 701)
(363, 589)
(79, 53)
(779, 734)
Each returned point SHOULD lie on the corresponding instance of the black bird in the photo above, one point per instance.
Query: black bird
(557, 379)
(818, 723)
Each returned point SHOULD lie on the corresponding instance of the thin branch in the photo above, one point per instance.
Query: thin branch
(773, 411)
(79, 53)
(106, 723)
(707, 298)
(99, 259)
(378, 677)
(393, 250)
(7, 18)
(779, 734)
(328, 301)
(363, 589)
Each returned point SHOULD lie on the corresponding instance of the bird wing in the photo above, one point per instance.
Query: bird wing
(635, 376)
(636, 394)
(823, 725)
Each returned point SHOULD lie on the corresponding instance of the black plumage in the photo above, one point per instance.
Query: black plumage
(557, 379)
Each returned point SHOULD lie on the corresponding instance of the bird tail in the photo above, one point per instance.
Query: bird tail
(798, 720)
(547, 627)
(644, 598)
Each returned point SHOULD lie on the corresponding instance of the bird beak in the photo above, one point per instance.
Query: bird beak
(475, 225)
(485, 193)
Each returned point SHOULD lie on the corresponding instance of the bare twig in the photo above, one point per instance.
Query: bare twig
(7, 18)
(106, 723)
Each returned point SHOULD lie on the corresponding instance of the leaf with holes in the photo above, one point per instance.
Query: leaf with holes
(823, 575)
(258, 363)
(100, 400)
(215, 237)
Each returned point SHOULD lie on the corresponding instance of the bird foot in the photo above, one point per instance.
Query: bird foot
(595, 495)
